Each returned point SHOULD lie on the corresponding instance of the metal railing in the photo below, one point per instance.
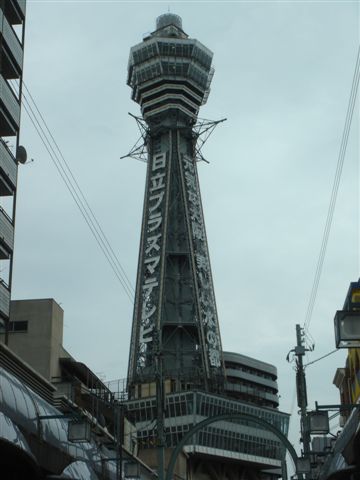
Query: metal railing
(4, 299)
(13, 42)
(9, 100)
(20, 5)
(11, 39)
(8, 163)
(6, 230)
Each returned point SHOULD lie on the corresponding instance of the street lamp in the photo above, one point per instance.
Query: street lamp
(78, 427)
(303, 465)
(318, 422)
(347, 329)
(79, 430)
(132, 471)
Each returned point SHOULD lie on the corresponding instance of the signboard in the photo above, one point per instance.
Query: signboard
(208, 312)
(153, 246)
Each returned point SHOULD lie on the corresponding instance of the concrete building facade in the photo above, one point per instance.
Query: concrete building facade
(36, 335)
(43, 390)
(12, 35)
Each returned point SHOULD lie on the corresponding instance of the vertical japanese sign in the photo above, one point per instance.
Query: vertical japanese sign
(152, 251)
(208, 313)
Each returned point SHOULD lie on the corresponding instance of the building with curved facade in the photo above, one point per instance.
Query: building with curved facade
(251, 380)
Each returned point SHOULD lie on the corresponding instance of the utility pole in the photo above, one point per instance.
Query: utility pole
(119, 428)
(301, 392)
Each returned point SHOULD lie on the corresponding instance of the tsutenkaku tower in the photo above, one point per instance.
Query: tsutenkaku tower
(175, 317)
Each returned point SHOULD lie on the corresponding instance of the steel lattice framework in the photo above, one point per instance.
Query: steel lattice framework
(175, 315)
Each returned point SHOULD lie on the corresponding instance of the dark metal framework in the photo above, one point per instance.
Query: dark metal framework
(175, 325)
(202, 131)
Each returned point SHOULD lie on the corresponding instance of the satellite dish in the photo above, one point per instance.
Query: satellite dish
(21, 154)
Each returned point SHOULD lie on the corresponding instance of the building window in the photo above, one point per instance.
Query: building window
(21, 326)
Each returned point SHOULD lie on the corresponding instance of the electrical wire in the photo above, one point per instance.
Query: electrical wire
(320, 358)
(91, 212)
(335, 188)
(96, 232)
(63, 175)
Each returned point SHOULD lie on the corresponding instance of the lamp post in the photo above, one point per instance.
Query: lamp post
(119, 425)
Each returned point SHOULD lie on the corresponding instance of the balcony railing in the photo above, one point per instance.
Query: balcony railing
(15, 11)
(6, 231)
(9, 100)
(21, 4)
(4, 299)
(8, 164)
(11, 40)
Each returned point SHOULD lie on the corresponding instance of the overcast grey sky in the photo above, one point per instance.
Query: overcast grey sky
(283, 78)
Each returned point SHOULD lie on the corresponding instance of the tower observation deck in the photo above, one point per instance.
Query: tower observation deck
(175, 318)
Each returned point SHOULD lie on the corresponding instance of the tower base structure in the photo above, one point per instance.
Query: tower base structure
(225, 448)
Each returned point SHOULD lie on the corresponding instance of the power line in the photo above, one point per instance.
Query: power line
(126, 279)
(91, 220)
(321, 358)
(73, 193)
(335, 188)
